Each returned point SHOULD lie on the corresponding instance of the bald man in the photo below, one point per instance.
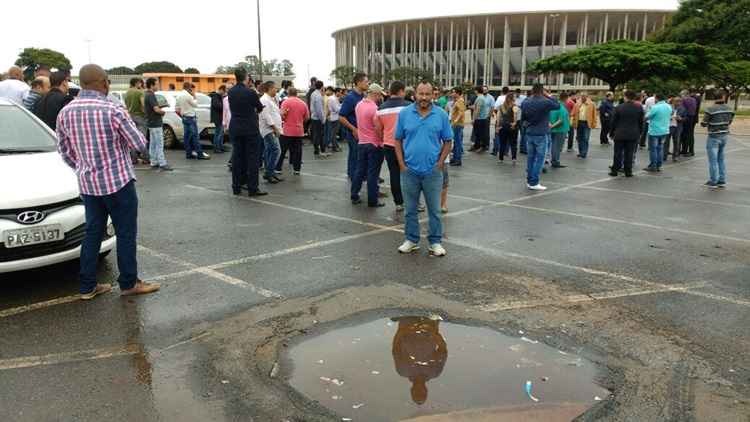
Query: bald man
(95, 137)
(14, 88)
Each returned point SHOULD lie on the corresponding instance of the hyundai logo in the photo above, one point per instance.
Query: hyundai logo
(30, 217)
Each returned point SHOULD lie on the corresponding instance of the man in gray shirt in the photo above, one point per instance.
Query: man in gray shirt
(717, 120)
(317, 119)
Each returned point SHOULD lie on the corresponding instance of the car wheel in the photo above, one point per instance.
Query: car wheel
(170, 139)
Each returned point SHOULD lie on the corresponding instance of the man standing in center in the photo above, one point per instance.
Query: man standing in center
(658, 118)
(385, 124)
(606, 108)
(423, 142)
(244, 106)
(584, 119)
(369, 149)
(317, 119)
(187, 104)
(627, 124)
(536, 112)
(270, 130)
(348, 119)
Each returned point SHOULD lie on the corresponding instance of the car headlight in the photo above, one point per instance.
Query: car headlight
(110, 230)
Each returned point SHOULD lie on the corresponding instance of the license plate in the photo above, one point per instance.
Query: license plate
(33, 235)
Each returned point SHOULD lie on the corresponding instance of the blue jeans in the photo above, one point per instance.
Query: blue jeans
(351, 166)
(122, 207)
(413, 186)
(558, 140)
(190, 137)
(458, 143)
(370, 159)
(715, 145)
(583, 133)
(219, 138)
(331, 130)
(156, 146)
(536, 147)
(656, 150)
(271, 153)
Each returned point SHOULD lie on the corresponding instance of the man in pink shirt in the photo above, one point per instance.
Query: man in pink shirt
(294, 113)
(369, 148)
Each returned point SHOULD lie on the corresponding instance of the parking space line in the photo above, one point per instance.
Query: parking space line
(39, 305)
(674, 198)
(68, 357)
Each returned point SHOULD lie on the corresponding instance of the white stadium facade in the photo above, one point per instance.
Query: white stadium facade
(491, 49)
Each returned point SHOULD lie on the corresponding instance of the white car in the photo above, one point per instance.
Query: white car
(173, 130)
(42, 218)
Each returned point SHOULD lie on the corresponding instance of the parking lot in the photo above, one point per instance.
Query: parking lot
(646, 276)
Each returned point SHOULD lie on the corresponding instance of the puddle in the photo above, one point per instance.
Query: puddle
(429, 370)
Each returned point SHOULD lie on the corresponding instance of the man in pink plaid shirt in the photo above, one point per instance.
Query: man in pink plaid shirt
(95, 137)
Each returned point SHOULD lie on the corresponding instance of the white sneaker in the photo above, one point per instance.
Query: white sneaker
(399, 208)
(536, 187)
(437, 249)
(408, 247)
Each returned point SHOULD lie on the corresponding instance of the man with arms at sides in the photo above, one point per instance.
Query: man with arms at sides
(245, 105)
(155, 125)
(385, 124)
(457, 116)
(95, 137)
(294, 113)
(370, 148)
(423, 141)
(348, 119)
(627, 125)
(270, 130)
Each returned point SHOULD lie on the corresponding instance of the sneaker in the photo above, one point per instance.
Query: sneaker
(376, 205)
(166, 168)
(408, 247)
(356, 201)
(455, 164)
(154, 167)
(420, 208)
(399, 208)
(444, 210)
(721, 184)
(536, 187)
(98, 290)
(544, 170)
(711, 185)
(382, 194)
(204, 156)
(141, 288)
(257, 193)
(296, 173)
(613, 173)
(558, 166)
(437, 249)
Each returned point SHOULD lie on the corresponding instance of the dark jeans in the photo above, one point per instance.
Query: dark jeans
(604, 134)
(458, 145)
(190, 136)
(624, 154)
(395, 174)
(122, 207)
(482, 127)
(508, 140)
(331, 132)
(688, 135)
(316, 133)
(351, 165)
(675, 136)
(219, 138)
(571, 136)
(644, 135)
(524, 145)
(584, 133)
(294, 146)
(370, 159)
(245, 159)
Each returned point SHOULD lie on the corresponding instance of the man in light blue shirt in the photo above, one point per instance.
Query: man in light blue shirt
(658, 117)
(424, 139)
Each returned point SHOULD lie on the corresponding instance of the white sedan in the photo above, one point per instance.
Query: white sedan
(42, 218)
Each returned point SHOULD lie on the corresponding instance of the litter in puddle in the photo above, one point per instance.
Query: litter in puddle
(336, 397)
(357, 406)
(224, 382)
(375, 372)
(597, 398)
(528, 340)
(321, 361)
(515, 348)
(528, 391)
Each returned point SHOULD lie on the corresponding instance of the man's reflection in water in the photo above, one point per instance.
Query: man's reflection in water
(419, 352)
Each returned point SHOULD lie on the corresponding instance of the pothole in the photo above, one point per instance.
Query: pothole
(425, 369)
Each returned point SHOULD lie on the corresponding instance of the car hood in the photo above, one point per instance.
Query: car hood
(35, 179)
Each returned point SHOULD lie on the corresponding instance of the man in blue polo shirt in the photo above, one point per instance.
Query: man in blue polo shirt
(536, 111)
(424, 139)
(348, 120)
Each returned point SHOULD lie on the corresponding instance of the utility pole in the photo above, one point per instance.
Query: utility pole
(260, 50)
(88, 47)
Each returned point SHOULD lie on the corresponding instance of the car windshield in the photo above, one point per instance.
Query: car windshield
(20, 133)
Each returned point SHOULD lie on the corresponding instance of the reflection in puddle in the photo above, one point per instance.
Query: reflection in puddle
(415, 367)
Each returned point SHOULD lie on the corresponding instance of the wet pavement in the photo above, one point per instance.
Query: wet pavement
(646, 278)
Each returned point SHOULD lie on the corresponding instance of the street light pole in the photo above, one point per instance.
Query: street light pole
(260, 49)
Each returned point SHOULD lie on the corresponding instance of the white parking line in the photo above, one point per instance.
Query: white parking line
(67, 357)
(39, 305)
(673, 198)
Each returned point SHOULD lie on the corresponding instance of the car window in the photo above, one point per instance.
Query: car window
(21, 132)
(162, 100)
(203, 99)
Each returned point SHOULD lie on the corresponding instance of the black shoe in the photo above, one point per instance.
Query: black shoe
(277, 178)
(356, 201)
(456, 164)
(613, 173)
(257, 193)
(544, 170)
(270, 180)
(376, 205)
(558, 166)
(650, 169)
(628, 174)
(381, 180)
(236, 191)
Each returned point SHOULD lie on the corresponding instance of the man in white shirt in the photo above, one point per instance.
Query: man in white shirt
(186, 104)
(647, 104)
(14, 88)
(270, 129)
(332, 122)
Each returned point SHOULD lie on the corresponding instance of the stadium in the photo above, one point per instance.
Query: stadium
(491, 49)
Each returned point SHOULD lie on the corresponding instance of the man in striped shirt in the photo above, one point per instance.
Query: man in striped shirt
(717, 120)
(95, 137)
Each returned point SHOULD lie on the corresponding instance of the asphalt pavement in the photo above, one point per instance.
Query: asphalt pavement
(646, 276)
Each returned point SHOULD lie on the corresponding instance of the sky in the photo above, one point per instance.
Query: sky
(205, 35)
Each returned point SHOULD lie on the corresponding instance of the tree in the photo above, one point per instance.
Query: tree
(284, 68)
(253, 66)
(718, 23)
(619, 62)
(344, 75)
(410, 76)
(157, 67)
(121, 70)
(31, 58)
(734, 77)
(192, 70)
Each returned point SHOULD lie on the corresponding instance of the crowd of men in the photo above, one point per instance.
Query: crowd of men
(418, 132)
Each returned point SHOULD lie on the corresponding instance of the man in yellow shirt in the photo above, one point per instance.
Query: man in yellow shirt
(584, 118)
(458, 113)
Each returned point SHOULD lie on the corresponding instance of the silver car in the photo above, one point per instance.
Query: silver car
(173, 129)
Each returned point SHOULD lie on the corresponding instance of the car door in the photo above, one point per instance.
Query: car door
(204, 113)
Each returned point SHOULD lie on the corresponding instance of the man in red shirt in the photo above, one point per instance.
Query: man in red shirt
(294, 114)
(369, 148)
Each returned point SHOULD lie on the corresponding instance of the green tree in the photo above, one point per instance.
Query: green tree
(620, 62)
(734, 77)
(410, 76)
(344, 75)
(192, 70)
(253, 66)
(722, 24)
(31, 58)
(157, 67)
(284, 68)
(121, 70)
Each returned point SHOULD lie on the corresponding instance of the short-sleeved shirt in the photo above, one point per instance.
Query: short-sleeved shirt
(560, 113)
(133, 102)
(294, 112)
(422, 138)
(153, 119)
(658, 119)
(366, 111)
(347, 109)
(484, 111)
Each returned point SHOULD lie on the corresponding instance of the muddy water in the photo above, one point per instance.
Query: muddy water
(412, 367)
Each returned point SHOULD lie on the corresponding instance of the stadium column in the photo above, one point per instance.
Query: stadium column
(563, 45)
(373, 50)
(486, 51)
(419, 48)
(625, 31)
(450, 57)
(468, 49)
(523, 50)
(393, 48)
(406, 46)
(645, 25)
(434, 50)
(382, 52)
(542, 77)
(506, 53)
(606, 27)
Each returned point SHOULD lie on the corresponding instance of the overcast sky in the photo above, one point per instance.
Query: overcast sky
(205, 34)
